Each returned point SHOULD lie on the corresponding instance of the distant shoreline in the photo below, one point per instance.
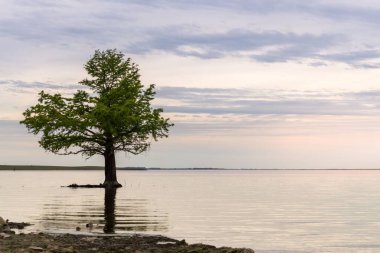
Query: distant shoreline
(87, 168)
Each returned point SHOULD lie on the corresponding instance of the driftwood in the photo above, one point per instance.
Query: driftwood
(86, 186)
(18, 225)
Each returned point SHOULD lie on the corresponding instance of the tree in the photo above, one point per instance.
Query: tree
(114, 114)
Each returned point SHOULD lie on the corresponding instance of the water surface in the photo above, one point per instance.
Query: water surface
(269, 211)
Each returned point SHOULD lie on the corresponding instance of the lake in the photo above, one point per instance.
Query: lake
(268, 211)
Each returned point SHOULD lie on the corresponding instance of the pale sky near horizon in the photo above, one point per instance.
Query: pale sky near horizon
(248, 83)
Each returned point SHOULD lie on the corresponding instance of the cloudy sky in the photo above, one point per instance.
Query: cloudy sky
(248, 83)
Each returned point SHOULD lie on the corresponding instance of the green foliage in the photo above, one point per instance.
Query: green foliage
(116, 116)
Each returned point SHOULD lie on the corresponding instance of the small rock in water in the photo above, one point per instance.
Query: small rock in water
(35, 249)
(77, 228)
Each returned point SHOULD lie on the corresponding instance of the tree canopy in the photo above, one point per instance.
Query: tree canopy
(113, 114)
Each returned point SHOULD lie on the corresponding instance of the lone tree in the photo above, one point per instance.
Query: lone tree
(116, 116)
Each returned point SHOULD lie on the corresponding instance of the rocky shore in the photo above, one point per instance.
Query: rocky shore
(70, 243)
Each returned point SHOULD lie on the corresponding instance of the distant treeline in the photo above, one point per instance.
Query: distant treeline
(37, 167)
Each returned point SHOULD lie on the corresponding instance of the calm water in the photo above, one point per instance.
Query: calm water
(269, 211)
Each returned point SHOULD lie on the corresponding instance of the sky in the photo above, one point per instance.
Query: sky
(263, 84)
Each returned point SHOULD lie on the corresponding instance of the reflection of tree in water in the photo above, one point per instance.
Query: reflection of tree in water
(111, 215)
(109, 210)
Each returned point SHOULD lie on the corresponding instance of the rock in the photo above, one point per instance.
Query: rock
(166, 243)
(35, 249)
(2, 221)
(89, 239)
(245, 250)
(4, 235)
(77, 228)
(7, 229)
(239, 250)
(68, 249)
(182, 242)
(16, 225)
(20, 226)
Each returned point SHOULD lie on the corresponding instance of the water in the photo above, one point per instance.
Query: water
(269, 211)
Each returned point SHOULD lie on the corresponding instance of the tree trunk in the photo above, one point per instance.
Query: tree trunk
(110, 167)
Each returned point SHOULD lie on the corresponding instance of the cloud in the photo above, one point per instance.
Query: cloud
(286, 46)
(268, 102)
(234, 101)
(250, 112)
(229, 111)
(266, 47)
(360, 59)
(11, 128)
(18, 86)
(337, 10)
(99, 25)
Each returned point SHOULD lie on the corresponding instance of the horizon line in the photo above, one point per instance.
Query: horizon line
(90, 167)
